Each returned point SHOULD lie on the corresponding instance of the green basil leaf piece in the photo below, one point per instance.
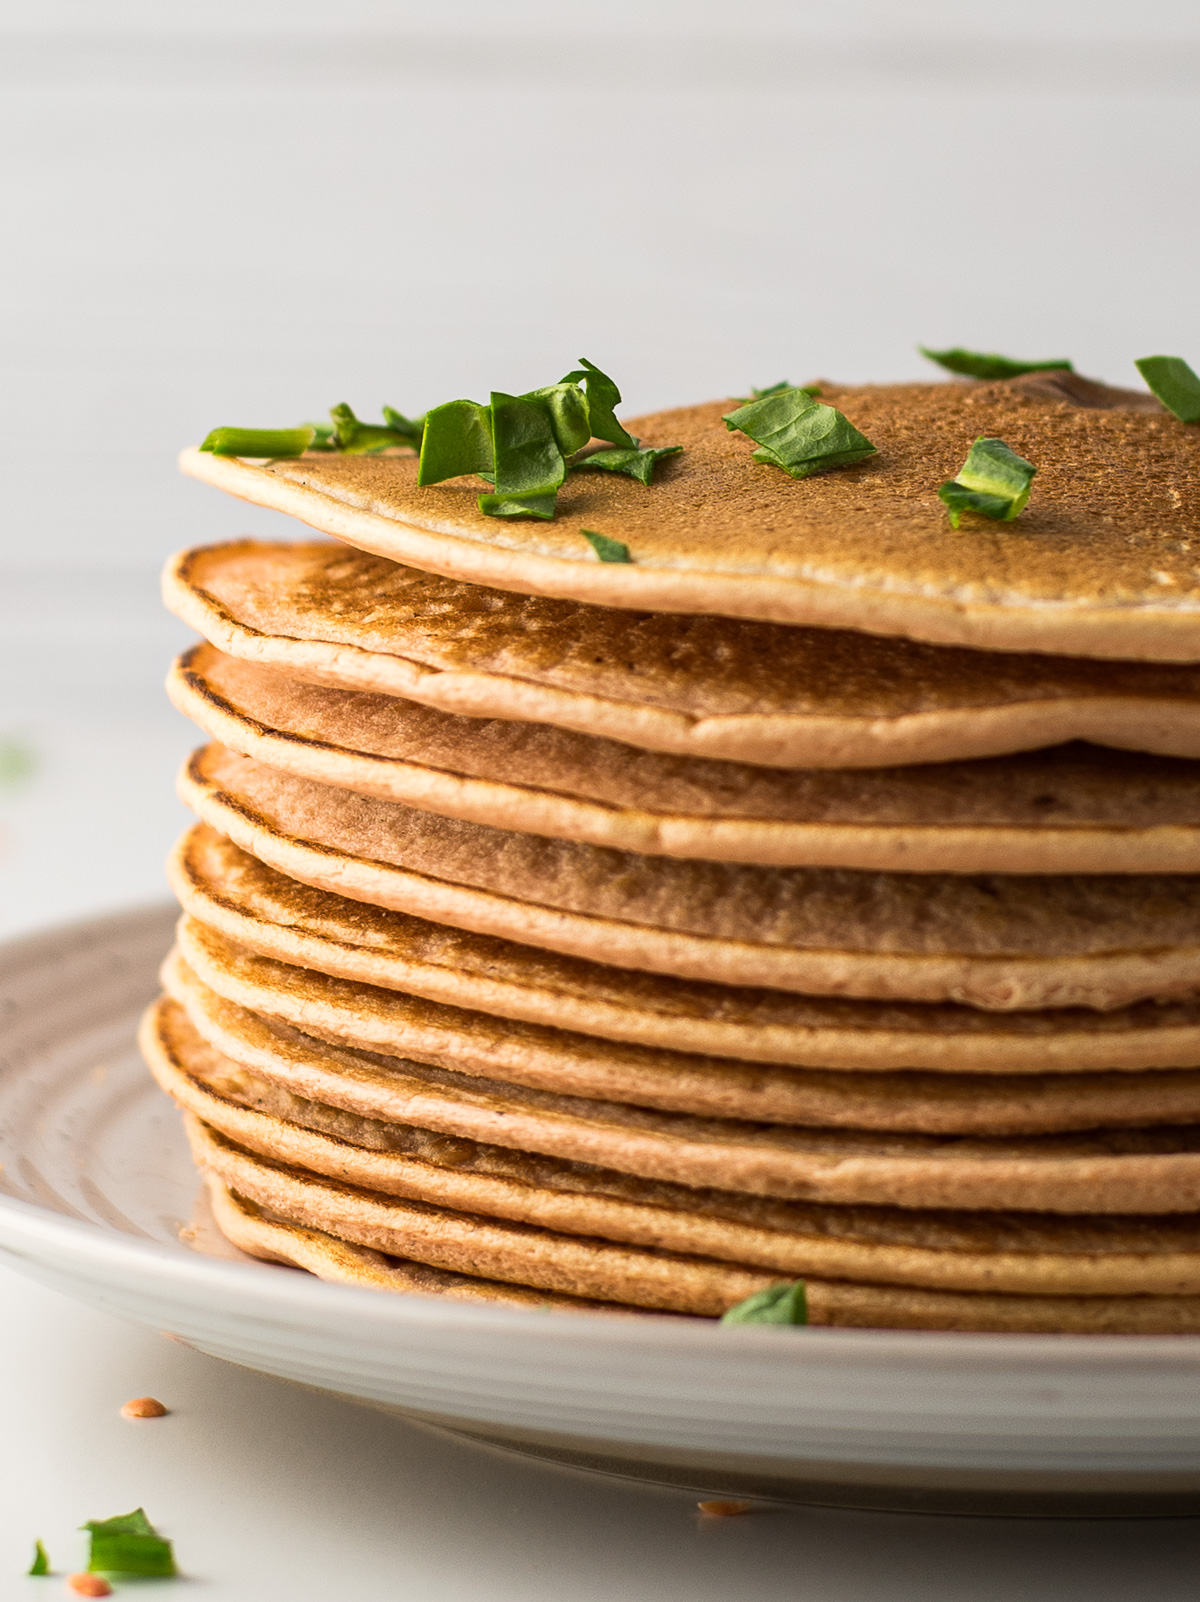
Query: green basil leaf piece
(323, 437)
(799, 434)
(639, 464)
(519, 505)
(993, 481)
(355, 438)
(986, 364)
(606, 549)
(457, 440)
(778, 1304)
(776, 389)
(41, 1562)
(272, 442)
(1174, 383)
(567, 407)
(603, 398)
(527, 460)
(129, 1544)
(409, 428)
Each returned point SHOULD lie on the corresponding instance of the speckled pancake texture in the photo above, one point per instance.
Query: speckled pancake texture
(1099, 564)
(1073, 809)
(693, 685)
(994, 941)
(427, 977)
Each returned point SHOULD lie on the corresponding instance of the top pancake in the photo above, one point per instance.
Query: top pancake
(1099, 564)
(726, 688)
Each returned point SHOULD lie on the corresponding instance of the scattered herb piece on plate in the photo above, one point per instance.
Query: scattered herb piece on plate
(799, 434)
(993, 481)
(778, 1304)
(1174, 383)
(274, 443)
(608, 550)
(987, 365)
(129, 1544)
(41, 1561)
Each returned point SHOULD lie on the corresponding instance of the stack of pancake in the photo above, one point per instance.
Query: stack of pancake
(816, 895)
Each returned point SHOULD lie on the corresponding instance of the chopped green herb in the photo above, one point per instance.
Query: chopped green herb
(603, 397)
(17, 763)
(639, 464)
(355, 438)
(776, 389)
(993, 481)
(41, 1563)
(778, 1304)
(567, 408)
(1174, 383)
(129, 1545)
(985, 364)
(409, 428)
(606, 549)
(799, 434)
(526, 456)
(457, 440)
(323, 437)
(272, 442)
(511, 506)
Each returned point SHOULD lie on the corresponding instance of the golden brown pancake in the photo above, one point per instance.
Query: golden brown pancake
(659, 1280)
(255, 1231)
(1075, 809)
(698, 686)
(994, 941)
(1099, 564)
(272, 1041)
(430, 987)
(494, 1138)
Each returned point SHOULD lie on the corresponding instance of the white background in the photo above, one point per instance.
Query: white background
(242, 211)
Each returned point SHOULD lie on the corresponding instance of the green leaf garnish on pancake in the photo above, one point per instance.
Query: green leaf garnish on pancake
(272, 442)
(778, 1304)
(513, 506)
(799, 434)
(355, 438)
(608, 550)
(993, 481)
(526, 457)
(776, 389)
(986, 364)
(457, 440)
(41, 1562)
(1174, 383)
(639, 464)
(603, 397)
(129, 1544)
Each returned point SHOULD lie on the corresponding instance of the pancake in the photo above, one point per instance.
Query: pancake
(1016, 1253)
(659, 1280)
(1098, 564)
(257, 1233)
(1000, 942)
(1121, 1171)
(1077, 809)
(432, 988)
(695, 686)
(959, 1104)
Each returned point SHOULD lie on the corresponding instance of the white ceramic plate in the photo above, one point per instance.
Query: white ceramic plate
(96, 1183)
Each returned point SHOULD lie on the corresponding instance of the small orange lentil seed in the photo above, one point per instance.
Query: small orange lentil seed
(724, 1510)
(88, 1585)
(143, 1407)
